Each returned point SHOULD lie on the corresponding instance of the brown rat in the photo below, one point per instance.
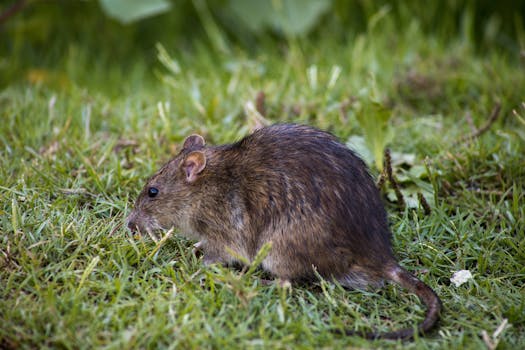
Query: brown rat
(294, 186)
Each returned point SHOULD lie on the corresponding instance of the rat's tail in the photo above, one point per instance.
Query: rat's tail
(406, 280)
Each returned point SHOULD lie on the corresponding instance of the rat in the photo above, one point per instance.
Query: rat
(295, 187)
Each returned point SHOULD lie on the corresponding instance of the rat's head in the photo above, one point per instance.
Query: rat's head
(166, 200)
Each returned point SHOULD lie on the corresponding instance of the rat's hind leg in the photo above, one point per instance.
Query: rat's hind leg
(356, 278)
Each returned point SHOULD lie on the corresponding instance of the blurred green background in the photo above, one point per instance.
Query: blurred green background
(54, 35)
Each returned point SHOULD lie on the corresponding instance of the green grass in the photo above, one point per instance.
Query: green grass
(79, 136)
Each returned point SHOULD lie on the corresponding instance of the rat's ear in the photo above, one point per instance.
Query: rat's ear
(193, 165)
(193, 141)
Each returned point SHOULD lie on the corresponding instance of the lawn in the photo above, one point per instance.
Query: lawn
(85, 118)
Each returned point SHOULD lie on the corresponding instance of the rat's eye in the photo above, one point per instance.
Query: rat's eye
(153, 192)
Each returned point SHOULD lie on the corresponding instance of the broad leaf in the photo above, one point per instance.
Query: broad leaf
(127, 11)
(294, 17)
(374, 120)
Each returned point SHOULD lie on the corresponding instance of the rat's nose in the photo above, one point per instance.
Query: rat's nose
(130, 222)
(132, 227)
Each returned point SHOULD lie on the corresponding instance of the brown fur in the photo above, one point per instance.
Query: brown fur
(291, 185)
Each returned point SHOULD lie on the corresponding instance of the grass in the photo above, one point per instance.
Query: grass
(80, 135)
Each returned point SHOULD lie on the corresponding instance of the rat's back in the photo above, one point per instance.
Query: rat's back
(315, 200)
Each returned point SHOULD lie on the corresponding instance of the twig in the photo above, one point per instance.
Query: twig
(393, 182)
(11, 11)
(260, 104)
(8, 257)
(382, 177)
(492, 342)
(424, 203)
(477, 133)
(253, 115)
(119, 225)
(381, 180)
(344, 106)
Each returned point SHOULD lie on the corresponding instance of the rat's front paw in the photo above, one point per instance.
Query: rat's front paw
(210, 259)
(210, 256)
(198, 247)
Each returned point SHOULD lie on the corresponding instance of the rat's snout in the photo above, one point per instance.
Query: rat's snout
(131, 222)
(132, 226)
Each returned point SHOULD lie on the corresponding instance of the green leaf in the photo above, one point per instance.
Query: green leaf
(410, 195)
(374, 120)
(294, 17)
(127, 11)
(358, 144)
